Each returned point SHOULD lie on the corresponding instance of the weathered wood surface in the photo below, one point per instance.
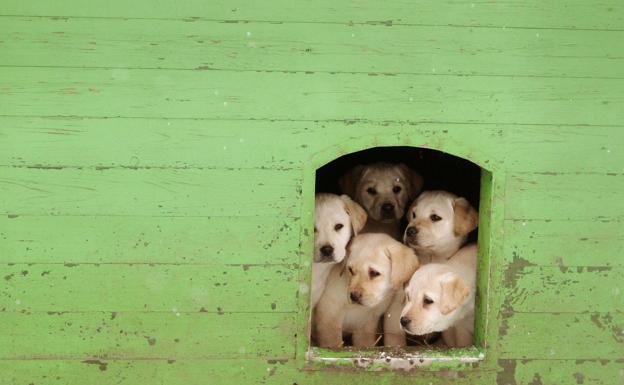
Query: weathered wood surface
(153, 160)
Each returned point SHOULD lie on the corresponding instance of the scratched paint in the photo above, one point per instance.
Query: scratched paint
(159, 156)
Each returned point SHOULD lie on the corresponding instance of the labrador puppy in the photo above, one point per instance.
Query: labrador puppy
(440, 297)
(439, 223)
(360, 291)
(384, 190)
(336, 220)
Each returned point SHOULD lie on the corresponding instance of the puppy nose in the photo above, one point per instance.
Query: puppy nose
(411, 231)
(327, 251)
(355, 297)
(387, 207)
(405, 321)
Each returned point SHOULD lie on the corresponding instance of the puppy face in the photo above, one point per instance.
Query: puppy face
(383, 189)
(432, 299)
(377, 266)
(336, 220)
(439, 220)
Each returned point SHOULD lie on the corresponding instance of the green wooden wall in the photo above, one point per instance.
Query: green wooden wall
(157, 163)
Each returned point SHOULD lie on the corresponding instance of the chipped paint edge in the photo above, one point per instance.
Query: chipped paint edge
(386, 361)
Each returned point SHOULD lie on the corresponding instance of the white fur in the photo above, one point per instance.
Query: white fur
(331, 210)
(336, 314)
(457, 326)
(435, 241)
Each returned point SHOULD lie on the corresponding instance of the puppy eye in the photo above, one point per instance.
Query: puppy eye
(427, 301)
(396, 189)
(373, 273)
(371, 191)
(434, 218)
(315, 230)
(338, 226)
(413, 214)
(351, 271)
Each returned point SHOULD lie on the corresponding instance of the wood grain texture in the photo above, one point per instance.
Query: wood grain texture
(580, 336)
(576, 14)
(141, 43)
(154, 161)
(564, 243)
(152, 192)
(210, 241)
(564, 289)
(129, 287)
(28, 91)
(571, 197)
(146, 335)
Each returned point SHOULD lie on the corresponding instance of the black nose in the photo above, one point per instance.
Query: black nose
(405, 321)
(411, 231)
(327, 251)
(355, 297)
(387, 207)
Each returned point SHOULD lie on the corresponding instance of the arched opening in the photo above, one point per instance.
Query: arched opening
(439, 171)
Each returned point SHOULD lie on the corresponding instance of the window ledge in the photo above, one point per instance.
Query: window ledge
(394, 359)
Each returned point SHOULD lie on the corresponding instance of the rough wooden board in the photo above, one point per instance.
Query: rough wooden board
(193, 143)
(564, 372)
(580, 336)
(243, 95)
(173, 240)
(564, 243)
(200, 143)
(144, 287)
(565, 149)
(572, 197)
(143, 43)
(563, 289)
(131, 372)
(574, 14)
(149, 192)
(146, 335)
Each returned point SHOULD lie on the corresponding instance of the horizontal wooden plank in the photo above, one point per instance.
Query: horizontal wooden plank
(53, 142)
(563, 289)
(565, 149)
(574, 197)
(178, 44)
(261, 95)
(574, 14)
(179, 143)
(564, 243)
(215, 372)
(565, 372)
(169, 288)
(562, 336)
(141, 335)
(153, 192)
(174, 240)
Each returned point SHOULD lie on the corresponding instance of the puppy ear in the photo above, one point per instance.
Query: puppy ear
(414, 180)
(403, 263)
(466, 217)
(454, 292)
(356, 213)
(349, 181)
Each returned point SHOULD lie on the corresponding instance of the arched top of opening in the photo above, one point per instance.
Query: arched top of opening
(440, 170)
(455, 146)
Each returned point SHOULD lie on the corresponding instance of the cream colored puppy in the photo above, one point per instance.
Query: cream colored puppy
(358, 293)
(336, 220)
(384, 190)
(440, 297)
(439, 223)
